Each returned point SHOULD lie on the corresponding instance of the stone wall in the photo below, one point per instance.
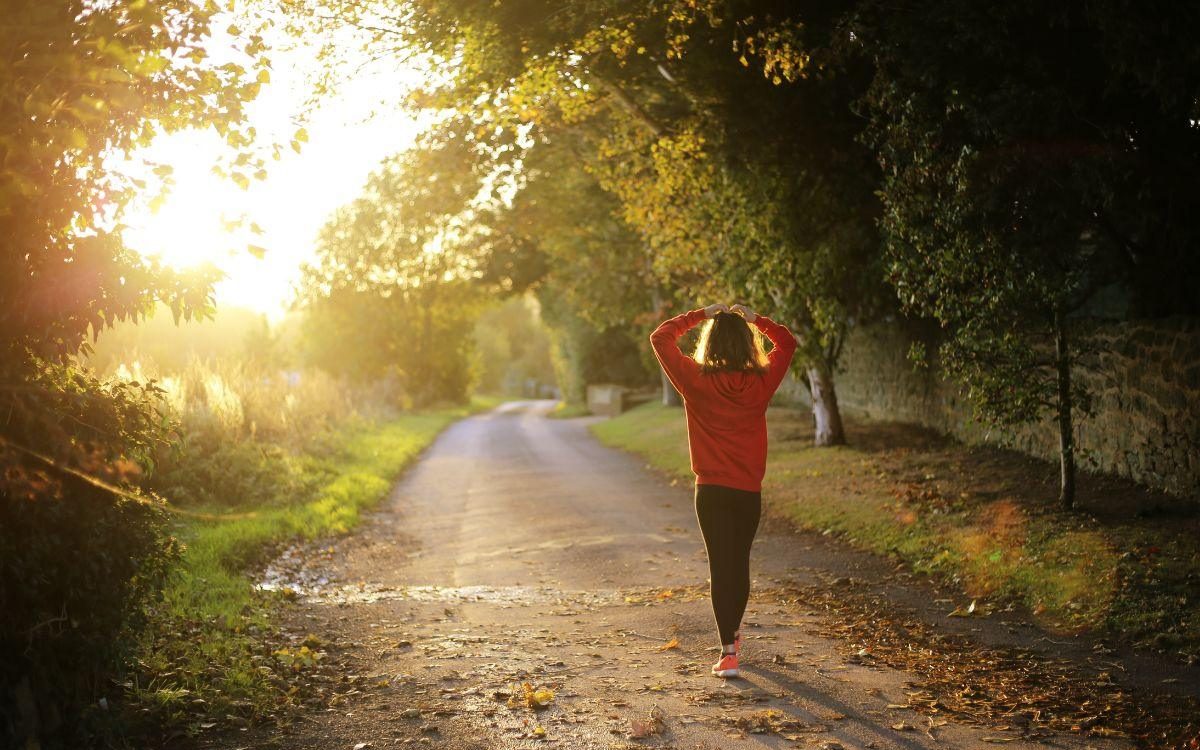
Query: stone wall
(605, 399)
(1145, 381)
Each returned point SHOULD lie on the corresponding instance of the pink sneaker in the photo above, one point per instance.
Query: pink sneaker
(727, 667)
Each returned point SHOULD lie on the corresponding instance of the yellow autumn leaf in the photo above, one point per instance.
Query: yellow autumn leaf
(539, 698)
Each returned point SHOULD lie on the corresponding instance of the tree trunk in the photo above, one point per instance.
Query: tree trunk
(1066, 431)
(426, 386)
(670, 396)
(827, 419)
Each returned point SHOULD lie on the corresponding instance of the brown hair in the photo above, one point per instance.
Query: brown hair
(729, 344)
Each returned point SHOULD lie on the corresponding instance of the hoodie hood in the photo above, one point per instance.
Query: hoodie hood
(736, 386)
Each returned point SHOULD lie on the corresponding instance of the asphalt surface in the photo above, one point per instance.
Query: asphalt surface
(519, 549)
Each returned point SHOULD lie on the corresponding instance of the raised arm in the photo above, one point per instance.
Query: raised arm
(682, 370)
(780, 357)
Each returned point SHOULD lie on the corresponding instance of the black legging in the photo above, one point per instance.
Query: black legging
(728, 521)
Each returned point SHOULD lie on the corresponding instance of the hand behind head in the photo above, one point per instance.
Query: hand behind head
(744, 311)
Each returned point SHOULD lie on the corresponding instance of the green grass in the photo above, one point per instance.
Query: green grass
(973, 517)
(205, 652)
(562, 410)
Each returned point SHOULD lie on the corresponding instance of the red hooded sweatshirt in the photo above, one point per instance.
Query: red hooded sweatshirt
(726, 411)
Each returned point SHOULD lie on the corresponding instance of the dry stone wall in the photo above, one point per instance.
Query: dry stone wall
(1144, 376)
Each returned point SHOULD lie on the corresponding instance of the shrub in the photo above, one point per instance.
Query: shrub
(77, 569)
(211, 472)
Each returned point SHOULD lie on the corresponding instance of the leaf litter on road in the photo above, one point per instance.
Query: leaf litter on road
(1018, 688)
(769, 721)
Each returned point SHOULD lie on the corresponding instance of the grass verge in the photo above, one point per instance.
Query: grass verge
(208, 653)
(563, 410)
(981, 518)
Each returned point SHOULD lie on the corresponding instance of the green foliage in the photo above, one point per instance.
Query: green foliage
(738, 207)
(84, 83)
(584, 353)
(214, 472)
(91, 81)
(64, 417)
(73, 550)
(1022, 176)
(595, 284)
(648, 161)
(744, 149)
(592, 261)
(1019, 172)
(513, 347)
(416, 341)
(77, 573)
(390, 294)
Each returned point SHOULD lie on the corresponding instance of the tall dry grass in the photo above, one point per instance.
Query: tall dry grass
(245, 427)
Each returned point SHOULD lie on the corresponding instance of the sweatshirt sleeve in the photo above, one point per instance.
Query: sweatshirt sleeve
(682, 370)
(779, 359)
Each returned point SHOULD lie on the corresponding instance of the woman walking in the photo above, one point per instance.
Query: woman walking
(725, 386)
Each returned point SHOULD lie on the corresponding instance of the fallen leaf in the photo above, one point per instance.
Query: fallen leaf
(535, 699)
(654, 724)
(673, 643)
(960, 612)
(1107, 732)
(639, 729)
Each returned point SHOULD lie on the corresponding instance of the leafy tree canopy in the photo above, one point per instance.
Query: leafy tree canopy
(394, 289)
(82, 84)
(1031, 158)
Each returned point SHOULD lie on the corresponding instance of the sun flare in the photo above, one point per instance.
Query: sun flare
(195, 222)
(260, 234)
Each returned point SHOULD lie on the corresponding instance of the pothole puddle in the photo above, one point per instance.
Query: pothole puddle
(318, 589)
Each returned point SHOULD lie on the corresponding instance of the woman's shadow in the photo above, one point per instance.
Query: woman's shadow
(770, 680)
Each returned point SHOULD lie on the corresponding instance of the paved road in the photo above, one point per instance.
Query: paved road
(519, 548)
